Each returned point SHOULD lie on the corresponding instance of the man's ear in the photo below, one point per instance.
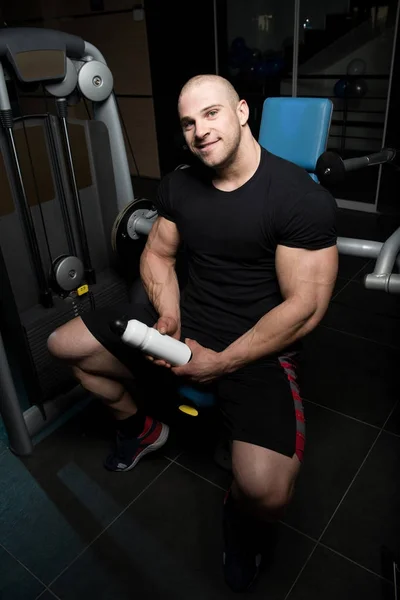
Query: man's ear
(243, 112)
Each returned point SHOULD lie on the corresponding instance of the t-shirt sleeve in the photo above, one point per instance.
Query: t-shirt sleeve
(163, 200)
(308, 222)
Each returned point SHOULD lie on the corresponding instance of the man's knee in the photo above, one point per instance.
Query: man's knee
(72, 342)
(271, 496)
(263, 479)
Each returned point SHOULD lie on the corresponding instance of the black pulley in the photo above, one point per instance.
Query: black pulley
(126, 240)
(330, 169)
(67, 273)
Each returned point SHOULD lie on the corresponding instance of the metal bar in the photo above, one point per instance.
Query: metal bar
(296, 42)
(329, 76)
(45, 294)
(107, 112)
(60, 189)
(216, 39)
(10, 410)
(332, 97)
(384, 283)
(384, 133)
(394, 284)
(4, 99)
(362, 248)
(360, 162)
(388, 253)
(77, 202)
(7, 123)
(143, 225)
(369, 124)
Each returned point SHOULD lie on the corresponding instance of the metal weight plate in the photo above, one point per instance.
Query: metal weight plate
(68, 272)
(330, 169)
(123, 242)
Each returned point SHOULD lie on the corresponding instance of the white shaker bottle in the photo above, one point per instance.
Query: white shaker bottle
(152, 342)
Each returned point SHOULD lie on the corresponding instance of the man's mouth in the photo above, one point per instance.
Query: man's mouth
(207, 145)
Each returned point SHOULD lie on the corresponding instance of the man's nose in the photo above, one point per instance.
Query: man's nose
(202, 130)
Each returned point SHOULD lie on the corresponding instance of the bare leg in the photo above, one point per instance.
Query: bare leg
(97, 370)
(264, 480)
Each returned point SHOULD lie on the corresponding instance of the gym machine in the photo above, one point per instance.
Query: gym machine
(331, 169)
(63, 235)
(57, 256)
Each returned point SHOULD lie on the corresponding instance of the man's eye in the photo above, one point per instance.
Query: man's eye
(212, 113)
(187, 125)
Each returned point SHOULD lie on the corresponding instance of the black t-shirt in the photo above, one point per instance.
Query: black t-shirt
(230, 239)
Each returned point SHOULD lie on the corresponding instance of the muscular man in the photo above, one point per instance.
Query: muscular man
(260, 240)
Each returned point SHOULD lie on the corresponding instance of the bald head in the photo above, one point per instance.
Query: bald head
(213, 119)
(215, 83)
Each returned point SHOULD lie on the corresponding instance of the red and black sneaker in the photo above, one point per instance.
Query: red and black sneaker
(129, 450)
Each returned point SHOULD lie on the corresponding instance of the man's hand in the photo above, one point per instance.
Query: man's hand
(204, 366)
(167, 326)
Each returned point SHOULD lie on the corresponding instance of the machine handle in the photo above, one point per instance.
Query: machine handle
(378, 158)
(331, 169)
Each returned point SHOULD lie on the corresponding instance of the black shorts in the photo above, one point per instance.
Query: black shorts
(259, 403)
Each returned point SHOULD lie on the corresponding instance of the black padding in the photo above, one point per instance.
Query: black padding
(23, 39)
(17, 42)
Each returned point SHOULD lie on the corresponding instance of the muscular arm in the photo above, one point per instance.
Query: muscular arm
(157, 268)
(306, 279)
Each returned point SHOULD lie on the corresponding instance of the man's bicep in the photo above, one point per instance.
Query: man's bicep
(163, 239)
(308, 275)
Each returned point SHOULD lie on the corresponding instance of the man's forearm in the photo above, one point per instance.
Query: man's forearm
(161, 284)
(276, 330)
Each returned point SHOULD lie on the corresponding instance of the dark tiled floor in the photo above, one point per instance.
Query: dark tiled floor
(71, 530)
(329, 577)
(47, 595)
(16, 582)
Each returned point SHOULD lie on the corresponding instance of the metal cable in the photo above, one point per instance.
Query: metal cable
(35, 183)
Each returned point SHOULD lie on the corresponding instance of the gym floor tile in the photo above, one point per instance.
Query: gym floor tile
(350, 266)
(55, 502)
(3, 446)
(201, 461)
(47, 595)
(393, 424)
(168, 545)
(368, 520)
(16, 583)
(335, 449)
(370, 314)
(330, 577)
(339, 285)
(353, 376)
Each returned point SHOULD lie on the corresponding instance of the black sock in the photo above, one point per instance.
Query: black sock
(259, 534)
(132, 426)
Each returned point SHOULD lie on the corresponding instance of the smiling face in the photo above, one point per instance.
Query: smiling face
(212, 119)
